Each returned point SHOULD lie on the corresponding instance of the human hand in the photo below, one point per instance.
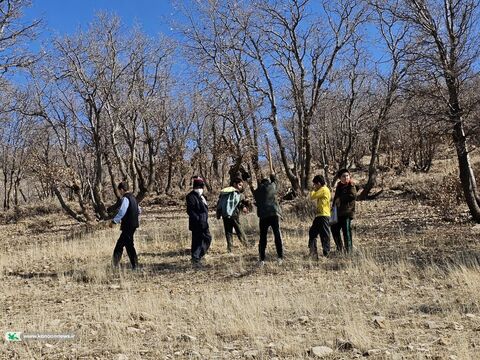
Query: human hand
(110, 225)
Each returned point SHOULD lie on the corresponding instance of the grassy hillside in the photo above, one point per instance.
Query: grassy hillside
(409, 291)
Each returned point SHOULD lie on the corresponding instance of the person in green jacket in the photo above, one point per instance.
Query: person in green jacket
(344, 200)
(269, 213)
(321, 195)
(231, 203)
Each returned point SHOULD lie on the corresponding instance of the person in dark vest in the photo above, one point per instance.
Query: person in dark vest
(127, 216)
(197, 210)
(269, 213)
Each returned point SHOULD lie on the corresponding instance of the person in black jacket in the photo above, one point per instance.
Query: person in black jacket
(269, 214)
(197, 209)
(344, 200)
(128, 216)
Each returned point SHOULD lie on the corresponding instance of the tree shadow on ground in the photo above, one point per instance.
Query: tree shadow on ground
(31, 275)
(167, 254)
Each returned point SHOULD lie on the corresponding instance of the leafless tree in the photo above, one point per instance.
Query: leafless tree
(447, 49)
(215, 41)
(307, 52)
(390, 75)
(15, 34)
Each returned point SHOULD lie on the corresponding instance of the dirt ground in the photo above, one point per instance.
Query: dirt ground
(410, 291)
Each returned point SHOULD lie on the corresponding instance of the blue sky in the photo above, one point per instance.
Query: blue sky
(66, 16)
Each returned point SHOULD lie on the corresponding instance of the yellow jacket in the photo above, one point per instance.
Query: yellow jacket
(323, 197)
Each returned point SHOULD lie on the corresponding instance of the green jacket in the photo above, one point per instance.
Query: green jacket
(266, 199)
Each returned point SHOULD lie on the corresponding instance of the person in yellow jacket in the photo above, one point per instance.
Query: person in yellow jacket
(320, 225)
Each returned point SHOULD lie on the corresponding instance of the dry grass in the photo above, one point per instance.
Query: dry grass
(410, 291)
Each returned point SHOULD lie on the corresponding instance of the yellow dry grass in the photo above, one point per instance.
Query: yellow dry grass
(406, 295)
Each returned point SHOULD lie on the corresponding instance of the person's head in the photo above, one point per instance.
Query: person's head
(237, 183)
(344, 176)
(318, 181)
(197, 182)
(265, 181)
(123, 187)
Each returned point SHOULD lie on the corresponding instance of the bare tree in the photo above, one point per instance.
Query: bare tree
(14, 35)
(390, 76)
(307, 52)
(345, 109)
(215, 45)
(447, 48)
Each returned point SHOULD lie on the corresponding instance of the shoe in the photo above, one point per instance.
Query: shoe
(261, 263)
(196, 262)
(280, 261)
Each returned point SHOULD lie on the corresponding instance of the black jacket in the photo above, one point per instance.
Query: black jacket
(130, 219)
(266, 199)
(197, 212)
(344, 198)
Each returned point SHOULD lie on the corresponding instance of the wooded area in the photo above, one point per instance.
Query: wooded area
(328, 85)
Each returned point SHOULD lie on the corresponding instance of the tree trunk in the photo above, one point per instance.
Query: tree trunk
(100, 208)
(324, 160)
(111, 173)
(372, 167)
(169, 176)
(6, 205)
(23, 195)
(467, 177)
(291, 176)
(67, 208)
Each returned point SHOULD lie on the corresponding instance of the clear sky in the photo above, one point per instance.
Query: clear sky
(66, 16)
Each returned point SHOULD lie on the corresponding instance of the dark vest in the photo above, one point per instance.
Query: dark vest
(130, 220)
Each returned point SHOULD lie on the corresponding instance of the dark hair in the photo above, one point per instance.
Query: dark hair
(319, 179)
(265, 181)
(236, 180)
(342, 171)
(123, 186)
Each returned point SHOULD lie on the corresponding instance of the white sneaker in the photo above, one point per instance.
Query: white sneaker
(280, 261)
(261, 263)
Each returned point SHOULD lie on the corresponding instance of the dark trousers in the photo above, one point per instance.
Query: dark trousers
(201, 240)
(125, 240)
(320, 227)
(233, 223)
(265, 223)
(344, 225)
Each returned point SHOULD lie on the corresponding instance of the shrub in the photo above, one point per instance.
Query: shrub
(19, 213)
(443, 192)
(302, 208)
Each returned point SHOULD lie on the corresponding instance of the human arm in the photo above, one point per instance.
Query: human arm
(191, 206)
(121, 211)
